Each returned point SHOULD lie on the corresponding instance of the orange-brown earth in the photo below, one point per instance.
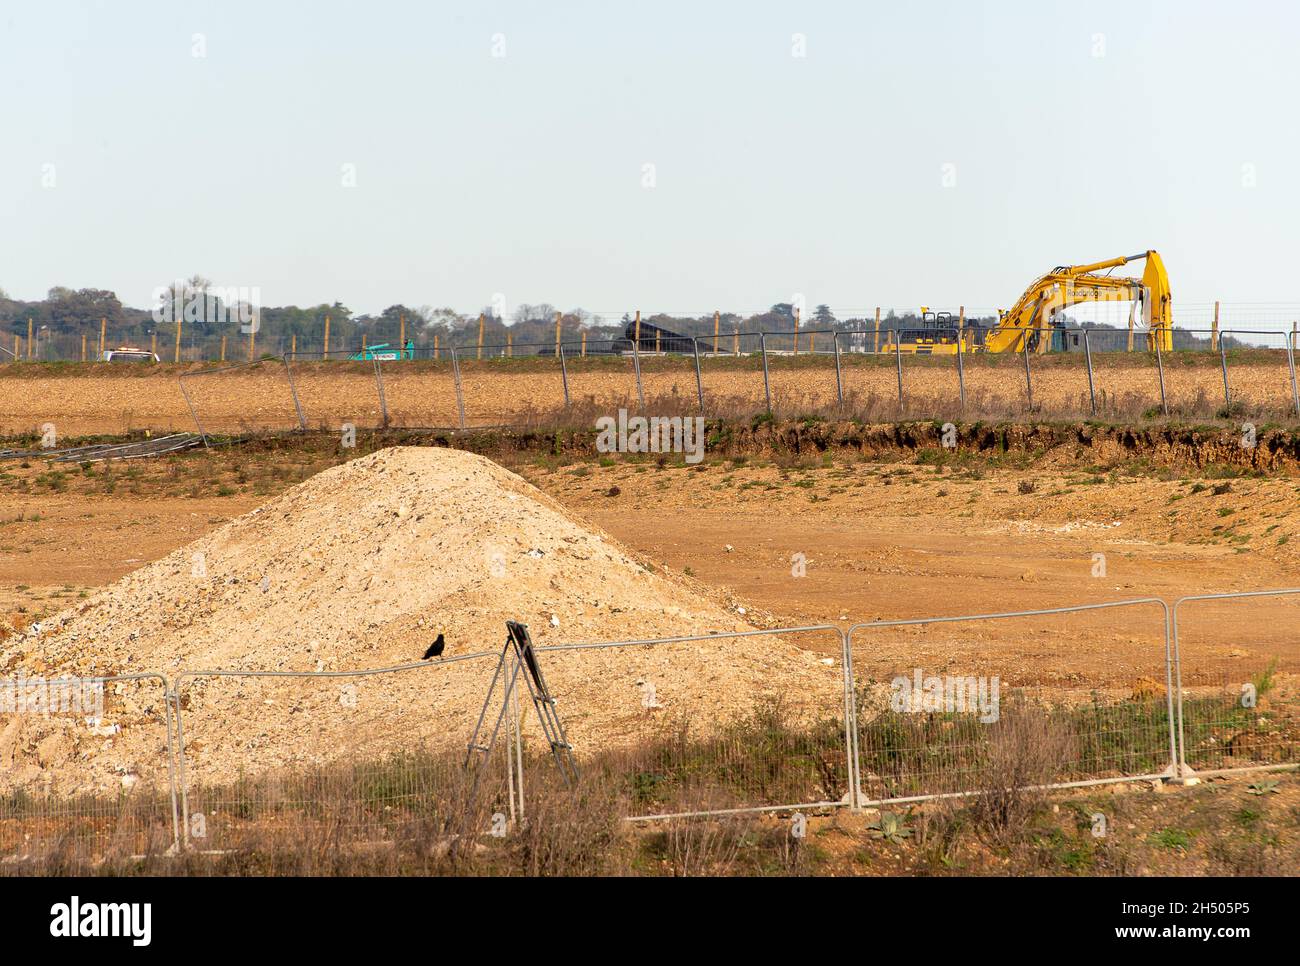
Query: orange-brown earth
(878, 541)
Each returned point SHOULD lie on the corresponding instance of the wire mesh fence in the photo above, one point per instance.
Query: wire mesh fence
(97, 780)
(339, 757)
(1237, 364)
(1237, 671)
(795, 718)
(982, 716)
(744, 720)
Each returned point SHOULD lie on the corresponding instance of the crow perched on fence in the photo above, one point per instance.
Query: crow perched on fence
(436, 648)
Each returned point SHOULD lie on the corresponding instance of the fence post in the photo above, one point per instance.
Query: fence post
(1160, 367)
(961, 376)
(1290, 361)
(717, 320)
(435, 345)
(735, 340)
(584, 343)
(460, 395)
(839, 379)
(876, 344)
(1092, 389)
(193, 412)
(29, 337)
(898, 361)
(480, 333)
(1223, 359)
(180, 322)
(850, 721)
(1029, 383)
(326, 348)
(83, 345)
(293, 390)
(767, 383)
(796, 331)
(564, 373)
(1214, 327)
(636, 361)
(379, 383)
(223, 348)
(699, 380)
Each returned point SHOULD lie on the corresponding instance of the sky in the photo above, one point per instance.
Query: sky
(675, 157)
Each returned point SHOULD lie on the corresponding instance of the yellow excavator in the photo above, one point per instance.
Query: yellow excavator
(1031, 322)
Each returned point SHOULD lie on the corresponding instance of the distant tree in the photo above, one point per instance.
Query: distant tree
(824, 317)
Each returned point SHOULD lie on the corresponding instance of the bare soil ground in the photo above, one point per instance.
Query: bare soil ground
(84, 399)
(879, 540)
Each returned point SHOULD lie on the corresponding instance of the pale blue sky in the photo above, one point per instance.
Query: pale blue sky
(522, 175)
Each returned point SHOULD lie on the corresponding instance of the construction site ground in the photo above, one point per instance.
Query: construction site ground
(888, 537)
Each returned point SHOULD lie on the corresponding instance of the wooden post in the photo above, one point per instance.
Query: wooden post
(180, 322)
(1132, 314)
(153, 343)
(638, 330)
(658, 341)
(796, 331)
(876, 345)
(401, 333)
(557, 334)
(480, 335)
(103, 335)
(812, 343)
(252, 341)
(326, 354)
(18, 347)
(1214, 328)
(29, 337)
(293, 344)
(735, 340)
(223, 348)
(510, 345)
(584, 343)
(363, 344)
(435, 345)
(83, 346)
(717, 318)
(961, 323)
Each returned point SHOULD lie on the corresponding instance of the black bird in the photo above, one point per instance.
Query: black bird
(436, 648)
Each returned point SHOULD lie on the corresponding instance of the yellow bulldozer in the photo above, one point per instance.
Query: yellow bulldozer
(1032, 324)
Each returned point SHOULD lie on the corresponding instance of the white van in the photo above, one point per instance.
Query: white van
(128, 354)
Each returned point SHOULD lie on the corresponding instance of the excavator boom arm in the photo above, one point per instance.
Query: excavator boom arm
(1073, 284)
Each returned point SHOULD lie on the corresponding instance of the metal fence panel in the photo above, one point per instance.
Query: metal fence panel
(989, 710)
(726, 722)
(365, 756)
(99, 781)
(1237, 675)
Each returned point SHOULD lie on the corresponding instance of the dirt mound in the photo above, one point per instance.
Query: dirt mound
(361, 567)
